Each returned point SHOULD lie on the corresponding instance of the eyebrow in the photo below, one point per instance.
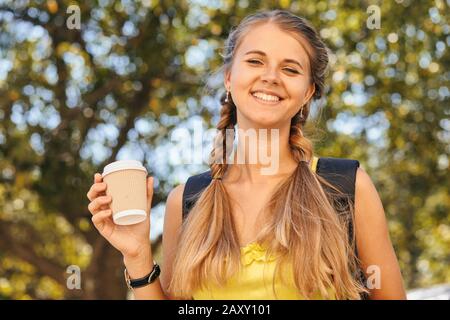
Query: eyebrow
(264, 54)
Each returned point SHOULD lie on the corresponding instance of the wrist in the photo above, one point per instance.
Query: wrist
(139, 265)
(143, 281)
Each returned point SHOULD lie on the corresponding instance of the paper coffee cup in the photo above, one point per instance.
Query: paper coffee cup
(126, 182)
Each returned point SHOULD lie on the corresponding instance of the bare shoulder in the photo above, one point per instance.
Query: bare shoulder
(173, 214)
(363, 181)
(374, 245)
(174, 210)
(172, 223)
(175, 196)
(368, 206)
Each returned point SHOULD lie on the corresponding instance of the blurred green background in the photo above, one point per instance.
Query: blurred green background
(73, 100)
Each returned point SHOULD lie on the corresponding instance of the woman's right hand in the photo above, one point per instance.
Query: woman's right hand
(130, 240)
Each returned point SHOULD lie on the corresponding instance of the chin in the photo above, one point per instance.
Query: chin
(263, 121)
(263, 117)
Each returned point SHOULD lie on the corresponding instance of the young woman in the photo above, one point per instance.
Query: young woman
(255, 236)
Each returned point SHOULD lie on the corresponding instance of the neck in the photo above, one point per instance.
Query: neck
(261, 155)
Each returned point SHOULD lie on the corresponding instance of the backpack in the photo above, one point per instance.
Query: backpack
(340, 172)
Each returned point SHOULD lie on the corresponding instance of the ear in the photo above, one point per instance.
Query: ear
(310, 92)
(226, 79)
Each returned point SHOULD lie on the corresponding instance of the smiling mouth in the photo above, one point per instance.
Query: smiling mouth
(264, 101)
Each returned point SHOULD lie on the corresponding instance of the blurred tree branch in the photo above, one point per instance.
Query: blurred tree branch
(24, 251)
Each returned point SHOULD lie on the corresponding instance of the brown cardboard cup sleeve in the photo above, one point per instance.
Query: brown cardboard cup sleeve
(126, 182)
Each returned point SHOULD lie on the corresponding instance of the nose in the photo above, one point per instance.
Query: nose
(270, 76)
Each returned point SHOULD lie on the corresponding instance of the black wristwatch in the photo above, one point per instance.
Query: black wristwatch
(137, 283)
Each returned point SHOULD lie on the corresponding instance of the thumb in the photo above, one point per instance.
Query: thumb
(149, 192)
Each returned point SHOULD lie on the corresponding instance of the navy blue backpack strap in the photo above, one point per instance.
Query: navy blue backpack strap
(341, 173)
(192, 189)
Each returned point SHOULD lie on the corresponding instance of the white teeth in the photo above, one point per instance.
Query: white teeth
(265, 97)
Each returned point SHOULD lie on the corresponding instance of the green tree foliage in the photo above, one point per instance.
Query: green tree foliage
(71, 100)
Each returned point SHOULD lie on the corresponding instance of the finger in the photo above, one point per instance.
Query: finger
(96, 204)
(98, 177)
(149, 192)
(150, 186)
(104, 207)
(96, 190)
(100, 218)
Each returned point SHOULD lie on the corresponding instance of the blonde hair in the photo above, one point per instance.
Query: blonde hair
(307, 227)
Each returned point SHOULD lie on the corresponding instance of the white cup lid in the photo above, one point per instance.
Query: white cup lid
(128, 217)
(123, 165)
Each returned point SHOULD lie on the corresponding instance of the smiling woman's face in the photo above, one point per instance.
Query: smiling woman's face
(269, 63)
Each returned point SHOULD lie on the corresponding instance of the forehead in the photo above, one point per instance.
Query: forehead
(275, 42)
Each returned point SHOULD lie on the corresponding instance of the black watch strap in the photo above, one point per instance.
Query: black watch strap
(137, 283)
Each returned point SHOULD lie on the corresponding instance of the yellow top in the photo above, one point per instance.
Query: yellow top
(255, 280)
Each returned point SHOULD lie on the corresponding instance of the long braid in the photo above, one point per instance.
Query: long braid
(219, 159)
(208, 231)
(301, 147)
